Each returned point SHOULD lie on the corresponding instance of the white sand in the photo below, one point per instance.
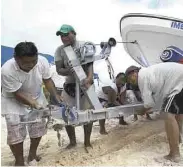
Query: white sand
(136, 144)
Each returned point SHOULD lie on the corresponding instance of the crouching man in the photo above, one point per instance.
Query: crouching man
(111, 96)
(21, 81)
(163, 83)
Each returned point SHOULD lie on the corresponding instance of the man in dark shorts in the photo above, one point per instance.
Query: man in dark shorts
(163, 84)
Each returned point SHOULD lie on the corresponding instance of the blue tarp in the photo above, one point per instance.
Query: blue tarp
(7, 53)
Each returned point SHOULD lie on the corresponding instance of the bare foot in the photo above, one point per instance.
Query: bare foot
(31, 158)
(149, 118)
(123, 123)
(173, 158)
(71, 145)
(134, 119)
(103, 132)
(37, 158)
(169, 157)
(88, 147)
(19, 163)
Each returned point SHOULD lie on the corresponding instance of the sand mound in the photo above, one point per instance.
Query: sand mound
(136, 144)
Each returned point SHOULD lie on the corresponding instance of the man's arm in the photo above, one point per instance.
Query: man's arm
(111, 93)
(90, 72)
(89, 80)
(61, 70)
(107, 89)
(123, 97)
(146, 93)
(27, 100)
(59, 62)
(50, 86)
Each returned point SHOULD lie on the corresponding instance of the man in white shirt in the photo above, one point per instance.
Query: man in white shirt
(112, 95)
(162, 84)
(58, 81)
(21, 81)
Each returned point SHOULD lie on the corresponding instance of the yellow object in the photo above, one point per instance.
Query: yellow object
(46, 93)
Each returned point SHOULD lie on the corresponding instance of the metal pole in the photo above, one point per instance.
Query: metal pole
(133, 42)
(77, 95)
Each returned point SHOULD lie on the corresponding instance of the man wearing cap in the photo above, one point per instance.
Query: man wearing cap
(163, 83)
(68, 37)
(133, 94)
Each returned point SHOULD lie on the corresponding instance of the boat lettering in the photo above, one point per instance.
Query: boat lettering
(178, 25)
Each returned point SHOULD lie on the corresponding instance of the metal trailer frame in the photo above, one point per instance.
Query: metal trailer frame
(82, 117)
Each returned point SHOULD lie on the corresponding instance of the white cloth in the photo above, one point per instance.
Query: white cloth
(57, 79)
(130, 97)
(13, 79)
(159, 82)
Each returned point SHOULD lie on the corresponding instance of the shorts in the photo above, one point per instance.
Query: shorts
(17, 132)
(174, 104)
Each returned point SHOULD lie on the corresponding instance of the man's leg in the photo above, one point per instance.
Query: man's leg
(87, 134)
(88, 127)
(172, 131)
(33, 149)
(36, 131)
(135, 117)
(122, 121)
(17, 150)
(102, 127)
(70, 101)
(72, 136)
(15, 137)
(102, 121)
(179, 119)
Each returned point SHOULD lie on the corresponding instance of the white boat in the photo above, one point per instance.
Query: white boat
(146, 36)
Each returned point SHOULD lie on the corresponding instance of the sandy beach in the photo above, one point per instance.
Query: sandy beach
(139, 143)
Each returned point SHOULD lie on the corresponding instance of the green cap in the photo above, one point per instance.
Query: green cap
(65, 29)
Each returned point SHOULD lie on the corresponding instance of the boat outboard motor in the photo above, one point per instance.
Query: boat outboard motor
(106, 50)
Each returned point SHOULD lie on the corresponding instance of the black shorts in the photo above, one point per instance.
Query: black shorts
(174, 104)
(102, 100)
